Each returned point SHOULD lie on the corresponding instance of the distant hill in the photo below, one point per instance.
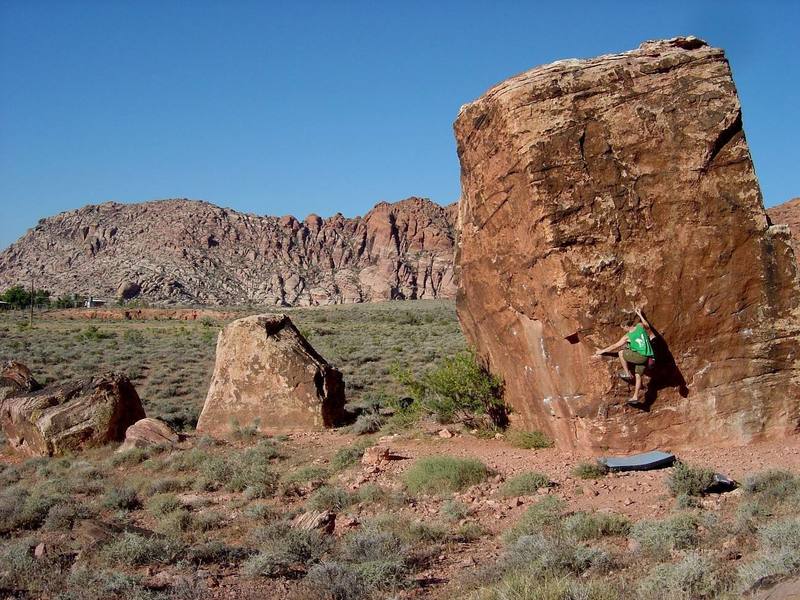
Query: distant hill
(789, 213)
(192, 252)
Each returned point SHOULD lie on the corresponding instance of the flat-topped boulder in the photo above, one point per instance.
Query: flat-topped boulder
(593, 186)
(72, 416)
(16, 378)
(267, 375)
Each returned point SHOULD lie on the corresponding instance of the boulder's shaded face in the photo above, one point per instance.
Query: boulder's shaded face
(267, 375)
(69, 417)
(593, 186)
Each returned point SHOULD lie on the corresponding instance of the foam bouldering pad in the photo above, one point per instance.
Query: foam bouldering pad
(639, 462)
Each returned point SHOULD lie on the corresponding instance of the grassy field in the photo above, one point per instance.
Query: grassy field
(171, 362)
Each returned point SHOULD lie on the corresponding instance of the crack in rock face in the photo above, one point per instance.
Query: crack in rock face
(593, 186)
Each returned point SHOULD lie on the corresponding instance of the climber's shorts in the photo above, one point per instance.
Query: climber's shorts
(633, 357)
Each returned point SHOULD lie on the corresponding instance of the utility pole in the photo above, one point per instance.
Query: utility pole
(30, 319)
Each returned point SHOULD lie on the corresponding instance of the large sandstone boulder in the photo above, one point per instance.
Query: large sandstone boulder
(591, 186)
(268, 375)
(72, 416)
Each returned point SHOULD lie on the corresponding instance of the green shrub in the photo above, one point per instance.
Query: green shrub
(63, 516)
(459, 389)
(349, 456)
(525, 484)
(163, 504)
(528, 439)
(694, 577)
(284, 550)
(587, 526)
(23, 509)
(331, 580)
(774, 487)
(454, 510)
(121, 498)
(520, 585)
(134, 549)
(439, 474)
(367, 423)
(693, 481)
(590, 470)
(545, 515)
(211, 552)
(659, 538)
(131, 457)
(779, 554)
(330, 498)
(551, 557)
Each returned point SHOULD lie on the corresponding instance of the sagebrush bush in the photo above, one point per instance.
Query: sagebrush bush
(544, 515)
(587, 526)
(454, 510)
(367, 423)
(694, 577)
(692, 481)
(134, 549)
(349, 456)
(163, 504)
(330, 498)
(331, 580)
(524, 484)
(121, 498)
(554, 556)
(659, 538)
(520, 585)
(440, 474)
(590, 470)
(528, 439)
(284, 550)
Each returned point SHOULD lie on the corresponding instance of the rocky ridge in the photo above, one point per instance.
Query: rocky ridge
(192, 252)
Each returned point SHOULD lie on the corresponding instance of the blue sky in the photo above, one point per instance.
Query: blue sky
(300, 107)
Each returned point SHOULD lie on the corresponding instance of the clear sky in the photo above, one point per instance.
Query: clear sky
(300, 107)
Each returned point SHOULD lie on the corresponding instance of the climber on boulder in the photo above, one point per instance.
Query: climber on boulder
(634, 350)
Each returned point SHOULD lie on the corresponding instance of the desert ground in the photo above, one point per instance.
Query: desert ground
(414, 508)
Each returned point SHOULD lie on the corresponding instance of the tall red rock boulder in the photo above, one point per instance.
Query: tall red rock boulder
(268, 375)
(70, 417)
(592, 186)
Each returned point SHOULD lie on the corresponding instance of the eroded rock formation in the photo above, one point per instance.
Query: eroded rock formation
(788, 213)
(592, 186)
(149, 433)
(267, 375)
(183, 251)
(69, 417)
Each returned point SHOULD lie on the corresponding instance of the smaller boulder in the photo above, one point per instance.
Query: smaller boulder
(72, 416)
(148, 433)
(16, 378)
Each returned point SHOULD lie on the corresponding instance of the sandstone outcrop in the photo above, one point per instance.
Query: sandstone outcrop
(592, 186)
(788, 213)
(190, 252)
(267, 375)
(72, 416)
(149, 433)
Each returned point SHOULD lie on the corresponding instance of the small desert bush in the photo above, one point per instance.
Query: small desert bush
(24, 509)
(63, 516)
(545, 515)
(128, 458)
(440, 474)
(587, 526)
(554, 556)
(369, 422)
(332, 580)
(590, 470)
(659, 538)
(525, 484)
(330, 498)
(779, 553)
(163, 504)
(689, 480)
(211, 552)
(528, 439)
(134, 550)
(284, 550)
(694, 577)
(520, 585)
(121, 498)
(349, 456)
(380, 557)
(453, 510)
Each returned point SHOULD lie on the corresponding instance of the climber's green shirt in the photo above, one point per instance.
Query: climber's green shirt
(639, 341)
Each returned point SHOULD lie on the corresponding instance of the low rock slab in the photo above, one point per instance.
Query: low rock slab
(149, 433)
(69, 417)
(267, 375)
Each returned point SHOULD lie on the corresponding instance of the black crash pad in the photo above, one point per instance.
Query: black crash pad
(639, 462)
